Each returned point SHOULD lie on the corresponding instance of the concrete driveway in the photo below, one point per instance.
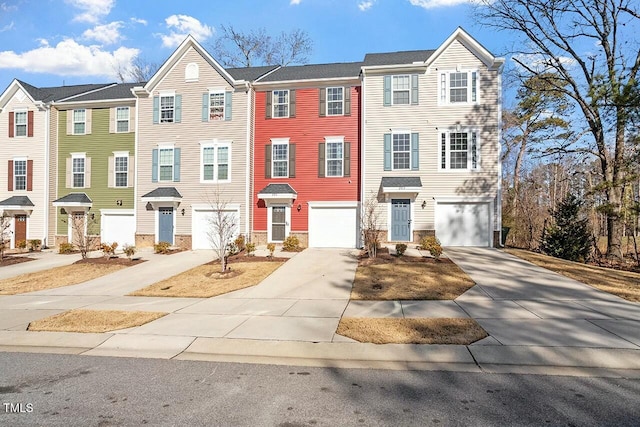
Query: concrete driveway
(521, 304)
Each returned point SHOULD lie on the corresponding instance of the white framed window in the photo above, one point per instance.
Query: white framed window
(78, 170)
(334, 157)
(121, 170)
(280, 159)
(122, 119)
(167, 108)
(280, 101)
(216, 105)
(20, 174)
(20, 123)
(459, 150)
(401, 90)
(335, 101)
(216, 162)
(165, 163)
(401, 151)
(79, 122)
(459, 87)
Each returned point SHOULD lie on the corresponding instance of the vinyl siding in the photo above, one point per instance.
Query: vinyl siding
(187, 136)
(53, 174)
(428, 119)
(306, 131)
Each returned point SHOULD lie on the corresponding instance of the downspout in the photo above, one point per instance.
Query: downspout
(363, 157)
(248, 180)
(47, 157)
(135, 167)
(499, 153)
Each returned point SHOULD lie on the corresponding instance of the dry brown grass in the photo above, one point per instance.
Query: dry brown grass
(624, 284)
(401, 279)
(411, 331)
(205, 280)
(95, 321)
(55, 277)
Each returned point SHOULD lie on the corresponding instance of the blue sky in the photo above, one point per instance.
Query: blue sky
(51, 42)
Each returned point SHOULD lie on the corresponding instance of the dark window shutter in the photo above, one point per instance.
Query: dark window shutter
(10, 176)
(205, 107)
(268, 105)
(347, 159)
(177, 114)
(347, 101)
(322, 109)
(292, 103)
(415, 146)
(387, 90)
(267, 161)
(414, 89)
(387, 151)
(29, 175)
(30, 123)
(228, 99)
(154, 165)
(156, 110)
(11, 123)
(292, 160)
(176, 165)
(321, 159)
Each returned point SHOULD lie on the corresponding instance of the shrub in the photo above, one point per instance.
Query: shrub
(240, 243)
(400, 248)
(291, 244)
(21, 244)
(65, 248)
(232, 249)
(161, 247)
(129, 251)
(251, 247)
(34, 244)
(568, 237)
(271, 248)
(431, 244)
(108, 249)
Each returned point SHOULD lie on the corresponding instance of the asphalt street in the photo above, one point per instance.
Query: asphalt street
(68, 390)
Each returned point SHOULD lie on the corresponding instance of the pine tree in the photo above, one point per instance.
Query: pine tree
(568, 237)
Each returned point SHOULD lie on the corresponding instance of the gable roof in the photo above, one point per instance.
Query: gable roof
(394, 58)
(250, 73)
(315, 72)
(114, 91)
(470, 43)
(48, 94)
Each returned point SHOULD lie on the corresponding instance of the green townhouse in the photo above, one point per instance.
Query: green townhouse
(95, 155)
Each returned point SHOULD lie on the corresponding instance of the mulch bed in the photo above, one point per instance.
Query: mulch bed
(384, 257)
(13, 259)
(111, 261)
(242, 257)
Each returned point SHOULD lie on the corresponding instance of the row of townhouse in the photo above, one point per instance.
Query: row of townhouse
(287, 150)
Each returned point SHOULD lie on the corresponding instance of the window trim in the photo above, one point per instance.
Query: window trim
(327, 101)
(15, 122)
(128, 120)
(274, 142)
(74, 122)
(217, 92)
(172, 163)
(274, 104)
(82, 156)
(173, 107)
(444, 87)
(333, 140)
(473, 141)
(26, 173)
(116, 155)
(400, 132)
(215, 144)
(408, 90)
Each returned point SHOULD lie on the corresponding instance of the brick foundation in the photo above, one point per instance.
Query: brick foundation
(259, 238)
(183, 241)
(145, 240)
(303, 238)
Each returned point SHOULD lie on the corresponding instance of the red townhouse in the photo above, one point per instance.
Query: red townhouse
(306, 175)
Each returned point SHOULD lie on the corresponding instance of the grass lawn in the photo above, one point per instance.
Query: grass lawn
(96, 321)
(624, 284)
(56, 277)
(206, 281)
(411, 331)
(404, 278)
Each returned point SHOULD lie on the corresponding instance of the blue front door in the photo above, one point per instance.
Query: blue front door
(400, 220)
(165, 225)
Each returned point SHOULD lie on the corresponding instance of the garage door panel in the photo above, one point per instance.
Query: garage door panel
(120, 228)
(202, 229)
(463, 224)
(333, 227)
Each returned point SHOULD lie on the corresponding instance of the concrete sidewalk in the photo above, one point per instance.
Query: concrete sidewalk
(41, 261)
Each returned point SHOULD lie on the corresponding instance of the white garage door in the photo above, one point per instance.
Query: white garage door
(463, 224)
(118, 227)
(333, 226)
(203, 229)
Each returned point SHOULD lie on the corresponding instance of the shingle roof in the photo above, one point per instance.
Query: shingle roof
(119, 91)
(315, 71)
(401, 181)
(163, 192)
(17, 201)
(278, 189)
(392, 58)
(46, 94)
(250, 73)
(74, 198)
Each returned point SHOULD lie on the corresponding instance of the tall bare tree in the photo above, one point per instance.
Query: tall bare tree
(591, 49)
(139, 71)
(235, 48)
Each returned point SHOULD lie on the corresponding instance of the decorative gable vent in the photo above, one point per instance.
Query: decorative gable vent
(191, 72)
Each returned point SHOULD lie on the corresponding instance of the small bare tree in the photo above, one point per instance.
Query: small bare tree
(81, 228)
(370, 224)
(222, 229)
(5, 234)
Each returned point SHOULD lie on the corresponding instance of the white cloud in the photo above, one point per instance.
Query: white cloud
(68, 58)
(139, 21)
(183, 25)
(7, 27)
(293, 2)
(105, 34)
(365, 5)
(8, 8)
(92, 10)
(541, 63)
(432, 4)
